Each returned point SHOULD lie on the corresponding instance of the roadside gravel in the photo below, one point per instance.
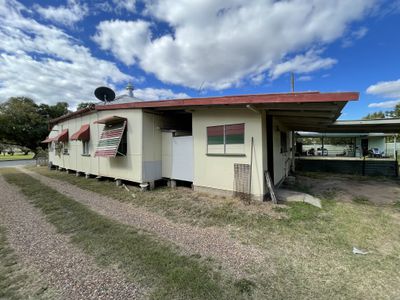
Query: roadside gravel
(72, 274)
(208, 242)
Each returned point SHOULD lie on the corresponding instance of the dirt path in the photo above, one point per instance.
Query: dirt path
(209, 242)
(65, 268)
(346, 189)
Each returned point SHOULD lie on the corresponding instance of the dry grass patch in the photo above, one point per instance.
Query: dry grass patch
(180, 204)
(309, 250)
(141, 255)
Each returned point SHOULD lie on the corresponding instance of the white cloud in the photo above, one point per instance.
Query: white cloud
(67, 15)
(258, 79)
(385, 89)
(125, 39)
(385, 104)
(46, 64)
(129, 5)
(305, 78)
(158, 94)
(223, 42)
(354, 36)
(301, 64)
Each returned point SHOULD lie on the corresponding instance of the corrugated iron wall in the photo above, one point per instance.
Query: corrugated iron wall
(355, 167)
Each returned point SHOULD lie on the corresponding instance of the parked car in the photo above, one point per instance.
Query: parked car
(375, 152)
(322, 151)
(311, 152)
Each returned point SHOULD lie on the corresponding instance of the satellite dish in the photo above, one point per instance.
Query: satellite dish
(104, 94)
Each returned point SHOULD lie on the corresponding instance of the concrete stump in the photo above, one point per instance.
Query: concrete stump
(143, 186)
(152, 185)
(172, 183)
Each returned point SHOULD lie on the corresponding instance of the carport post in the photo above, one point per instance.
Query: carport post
(293, 151)
(322, 148)
(395, 147)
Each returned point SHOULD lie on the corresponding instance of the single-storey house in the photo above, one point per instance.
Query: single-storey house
(220, 144)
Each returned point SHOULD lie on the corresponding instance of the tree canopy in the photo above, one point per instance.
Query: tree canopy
(395, 113)
(375, 115)
(24, 123)
(83, 105)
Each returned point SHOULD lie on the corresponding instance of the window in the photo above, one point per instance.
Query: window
(85, 148)
(225, 139)
(51, 146)
(65, 149)
(123, 145)
(113, 139)
(284, 147)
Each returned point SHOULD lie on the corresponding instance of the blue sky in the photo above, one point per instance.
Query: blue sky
(62, 50)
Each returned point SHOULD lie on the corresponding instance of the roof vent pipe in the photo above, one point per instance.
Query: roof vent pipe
(130, 89)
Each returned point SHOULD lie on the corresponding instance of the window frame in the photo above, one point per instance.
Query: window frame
(224, 138)
(284, 142)
(65, 148)
(123, 145)
(85, 148)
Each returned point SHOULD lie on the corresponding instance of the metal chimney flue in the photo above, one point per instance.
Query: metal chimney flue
(130, 89)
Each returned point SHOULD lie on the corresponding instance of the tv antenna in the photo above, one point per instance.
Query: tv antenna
(104, 94)
(292, 81)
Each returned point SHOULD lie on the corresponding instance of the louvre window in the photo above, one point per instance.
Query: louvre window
(225, 139)
(113, 140)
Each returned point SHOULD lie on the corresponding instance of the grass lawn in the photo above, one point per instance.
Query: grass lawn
(142, 256)
(308, 250)
(16, 156)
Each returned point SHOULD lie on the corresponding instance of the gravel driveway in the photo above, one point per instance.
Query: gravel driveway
(67, 270)
(209, 242)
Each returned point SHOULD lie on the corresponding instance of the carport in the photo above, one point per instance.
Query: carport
(353, 165)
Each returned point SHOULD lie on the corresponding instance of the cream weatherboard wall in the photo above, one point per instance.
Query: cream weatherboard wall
(282, 159)
(217, 172)
(144, 143)
(127, 167)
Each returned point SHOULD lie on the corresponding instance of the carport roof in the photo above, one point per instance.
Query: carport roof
(390, 125)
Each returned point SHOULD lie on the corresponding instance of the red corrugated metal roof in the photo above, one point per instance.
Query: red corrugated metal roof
(239, 100)
(304, 97)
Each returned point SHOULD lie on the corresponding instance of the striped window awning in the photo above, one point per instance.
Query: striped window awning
(110, 138)
(47, 140)
(110, 120)
(83, 134)
(62, 137)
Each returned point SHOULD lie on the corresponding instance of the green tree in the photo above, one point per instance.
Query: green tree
(83, 105)
(24, 123)
(375, 115)
(53, 111)
(395, 113)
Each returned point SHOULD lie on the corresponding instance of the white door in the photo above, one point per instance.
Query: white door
(182, 158)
